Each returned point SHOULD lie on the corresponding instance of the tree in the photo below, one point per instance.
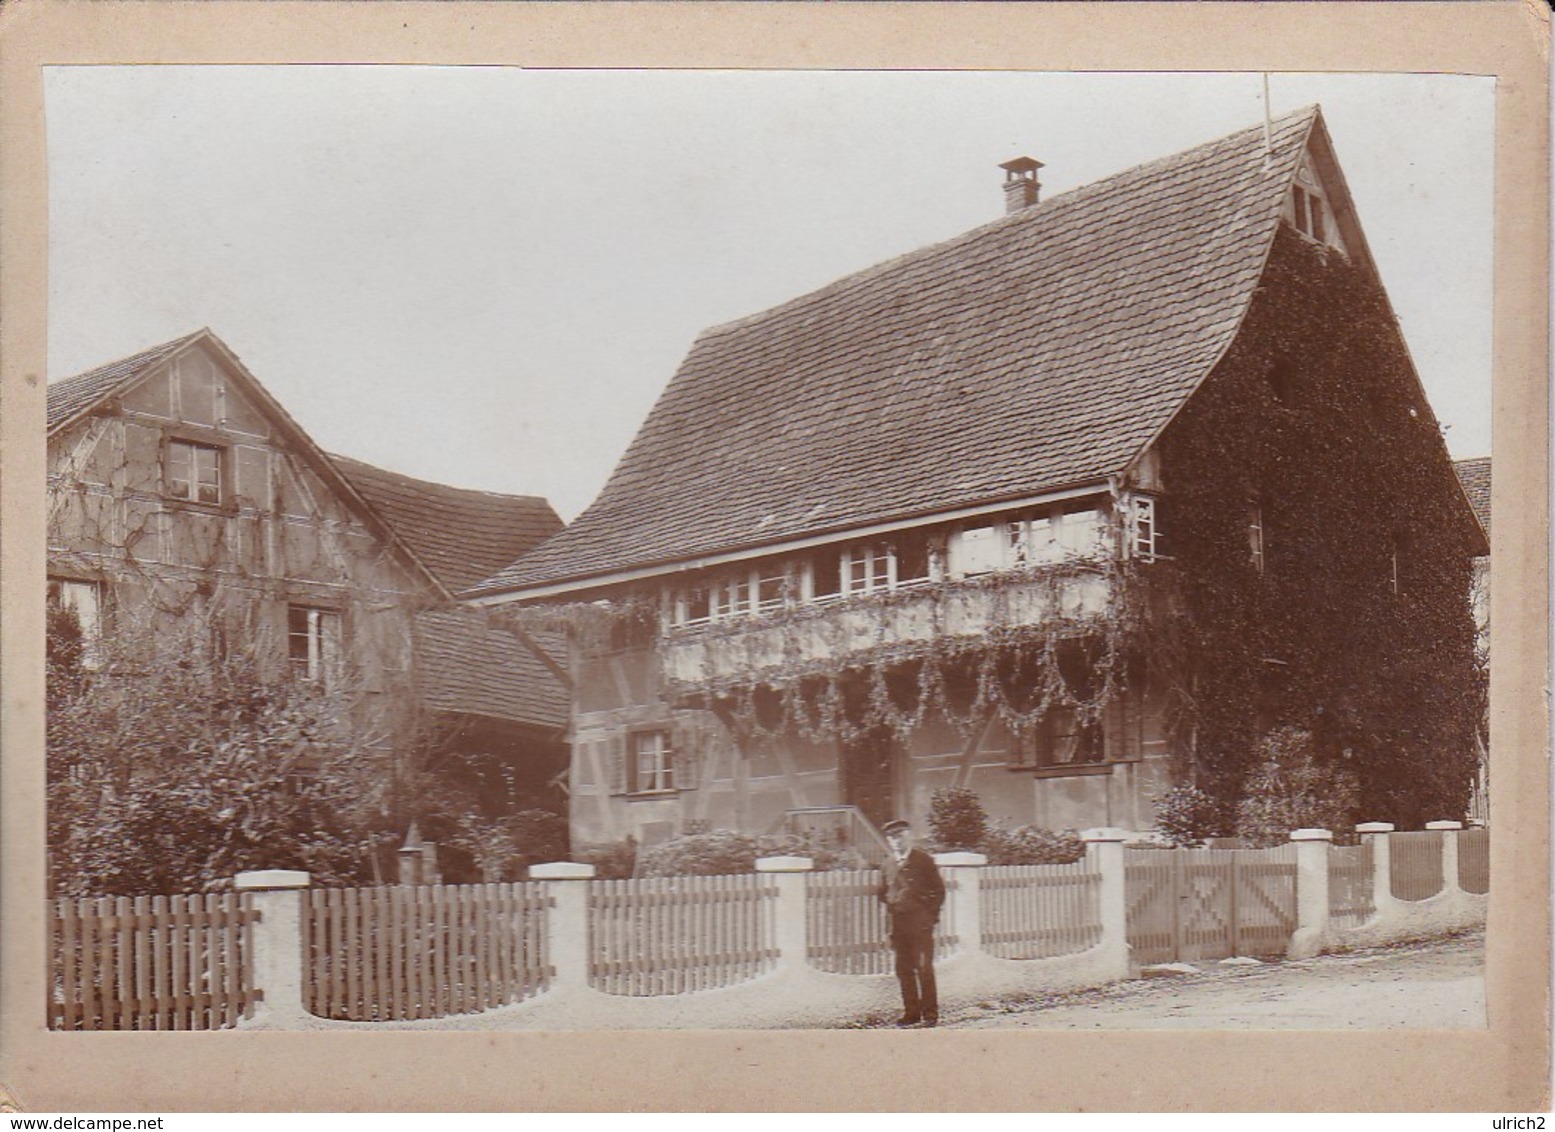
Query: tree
(172, 765)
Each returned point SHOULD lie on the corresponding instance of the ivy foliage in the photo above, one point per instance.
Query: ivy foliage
(1358, 628)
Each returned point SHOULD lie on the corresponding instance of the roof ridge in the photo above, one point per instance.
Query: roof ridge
(1026, 215)
(419, 481)
(147, 352)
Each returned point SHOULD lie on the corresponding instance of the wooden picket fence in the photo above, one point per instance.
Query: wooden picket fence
(1415, 864)
(424, 951)
(1474, 861)
(848, 930)
(1037, 911)
(1350, 881)
(670, 935)
(152, 962)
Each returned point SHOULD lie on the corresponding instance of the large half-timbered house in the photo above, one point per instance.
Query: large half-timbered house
(1064, 510)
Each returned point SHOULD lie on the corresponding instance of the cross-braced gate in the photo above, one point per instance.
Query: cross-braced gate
(1187, 904)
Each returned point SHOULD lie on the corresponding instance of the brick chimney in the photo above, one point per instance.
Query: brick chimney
(1021, 187)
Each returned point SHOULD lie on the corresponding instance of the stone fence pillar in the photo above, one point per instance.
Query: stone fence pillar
(566, 921)
(965, 872)
(1104, 849)
(1449, 831)
(1375, 834)
(278, 967)
(791, 939)
(1311, 892)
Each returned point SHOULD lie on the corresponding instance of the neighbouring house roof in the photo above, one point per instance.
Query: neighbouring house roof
(1474, 475)
(468, 666)
(1044, 350)
(73, 397)
(461, 534)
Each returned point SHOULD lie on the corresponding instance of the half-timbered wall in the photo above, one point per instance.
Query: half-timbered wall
(265, 532)
(724, 783)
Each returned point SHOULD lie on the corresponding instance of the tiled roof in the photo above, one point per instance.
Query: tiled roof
(467, 666)
(71, 396)
(461, 535)
(1039, 351)
(1474, 475)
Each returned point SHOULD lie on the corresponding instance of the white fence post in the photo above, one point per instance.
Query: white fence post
(1311, 892)
(1104, 848)
(278, 966)
(1449, 831)
(790, 936)
(967, 909)
(1375, 834)
(566, 921)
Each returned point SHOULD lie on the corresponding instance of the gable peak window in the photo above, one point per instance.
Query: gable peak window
(192, 472)
(1145, 535)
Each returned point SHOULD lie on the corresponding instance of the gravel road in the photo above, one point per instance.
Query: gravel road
(1438, 984)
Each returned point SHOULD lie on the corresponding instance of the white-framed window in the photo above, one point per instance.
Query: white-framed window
(192, 472)
(1059, 739)
(1145, 534)
(313, 644)
(85, 600)
(868, 568)
(1255, 546)
(653, 763)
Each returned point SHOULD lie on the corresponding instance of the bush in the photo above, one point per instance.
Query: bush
(1028, 845)
(612, 860)
(702, 854)
(957, 819)
(1186, 815)
(1290, 788)
(502, 848)
(824, 856)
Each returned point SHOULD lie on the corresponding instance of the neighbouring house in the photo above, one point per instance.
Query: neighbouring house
(1475, 476)
(498, 694)
(1066, 510)
(182, 497)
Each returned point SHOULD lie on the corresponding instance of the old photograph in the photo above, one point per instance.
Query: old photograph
(603, 550)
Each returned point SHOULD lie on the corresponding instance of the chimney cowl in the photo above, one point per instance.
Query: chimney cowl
(1021, 187)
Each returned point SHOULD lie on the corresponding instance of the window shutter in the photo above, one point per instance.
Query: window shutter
(687, 740)
(615, 754)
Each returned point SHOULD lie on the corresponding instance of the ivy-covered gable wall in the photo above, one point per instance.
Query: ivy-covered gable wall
(1358, 627)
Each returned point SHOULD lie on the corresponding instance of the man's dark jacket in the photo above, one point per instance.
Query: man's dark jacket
(913, 891)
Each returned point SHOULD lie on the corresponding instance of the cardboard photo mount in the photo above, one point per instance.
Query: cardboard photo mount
(1501, 1068)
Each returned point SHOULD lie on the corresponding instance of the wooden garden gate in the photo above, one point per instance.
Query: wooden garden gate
(1189, 904)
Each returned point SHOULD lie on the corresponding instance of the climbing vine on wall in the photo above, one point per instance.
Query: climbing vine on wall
(808, 670)
(1358, 627)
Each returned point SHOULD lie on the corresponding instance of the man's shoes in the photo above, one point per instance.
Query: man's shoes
(930, 1020)
(908, 1020)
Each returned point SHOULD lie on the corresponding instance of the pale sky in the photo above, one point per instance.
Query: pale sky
(485, 276)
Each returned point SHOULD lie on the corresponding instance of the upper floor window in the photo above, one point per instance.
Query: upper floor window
(193, 472)
(1146, 533)
(652, 765)
(1036, 538)
(313, 643)
(868, 568)
(84, 600)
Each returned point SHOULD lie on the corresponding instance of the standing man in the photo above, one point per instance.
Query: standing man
(913, 893)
